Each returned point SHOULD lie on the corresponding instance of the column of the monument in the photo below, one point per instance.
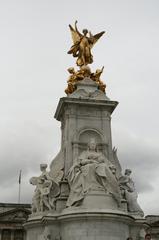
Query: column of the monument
(66, 145)
(75, 151)
(106, 128)
(110, 138)
(69, 132)
(64, 127)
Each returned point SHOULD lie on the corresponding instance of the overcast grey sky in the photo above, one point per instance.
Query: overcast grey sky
(34, 40)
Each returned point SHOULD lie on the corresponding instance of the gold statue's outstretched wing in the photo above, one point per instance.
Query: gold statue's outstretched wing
(94, 38)
(76, 35)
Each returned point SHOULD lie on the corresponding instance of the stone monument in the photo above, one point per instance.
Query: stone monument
(84, 195)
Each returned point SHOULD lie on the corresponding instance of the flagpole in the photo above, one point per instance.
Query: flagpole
(19, 192)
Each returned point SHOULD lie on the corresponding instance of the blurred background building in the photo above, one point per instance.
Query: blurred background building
(12, 217)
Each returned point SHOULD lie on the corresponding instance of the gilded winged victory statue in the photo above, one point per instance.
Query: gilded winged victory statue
(82, 45)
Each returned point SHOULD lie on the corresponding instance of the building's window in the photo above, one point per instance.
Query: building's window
(6, 234)
(18, 235)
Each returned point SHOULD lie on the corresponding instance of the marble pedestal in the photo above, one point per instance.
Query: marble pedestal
(80, 224)
(100, 199)
(98, 218)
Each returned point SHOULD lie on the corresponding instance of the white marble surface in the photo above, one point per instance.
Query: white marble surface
(84, 115)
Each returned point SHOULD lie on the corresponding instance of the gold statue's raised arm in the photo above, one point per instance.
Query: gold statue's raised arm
(76, 35)
(82, 45)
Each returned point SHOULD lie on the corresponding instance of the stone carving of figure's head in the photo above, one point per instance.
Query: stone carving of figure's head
(92, 145)
(128, 172)
(113, 169)
(43, 167)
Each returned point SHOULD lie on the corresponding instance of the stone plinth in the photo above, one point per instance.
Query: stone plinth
(100, 199)
(81, 224)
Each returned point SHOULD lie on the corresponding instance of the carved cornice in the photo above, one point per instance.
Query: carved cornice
(66, 102)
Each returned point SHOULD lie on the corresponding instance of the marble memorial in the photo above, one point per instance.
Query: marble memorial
(84, 195)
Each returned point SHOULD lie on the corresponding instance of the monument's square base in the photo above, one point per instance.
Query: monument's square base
(78, 224)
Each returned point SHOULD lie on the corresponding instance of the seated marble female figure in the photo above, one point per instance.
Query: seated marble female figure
(91, 173)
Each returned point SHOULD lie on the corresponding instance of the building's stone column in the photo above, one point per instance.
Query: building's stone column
(0, 234)
(24, 235)
(12, 234)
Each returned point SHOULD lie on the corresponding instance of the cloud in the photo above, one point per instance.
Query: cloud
(25, 148)
(141, 156)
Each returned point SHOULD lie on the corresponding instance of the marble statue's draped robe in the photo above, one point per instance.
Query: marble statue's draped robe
(91, 173)
(130, 194)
